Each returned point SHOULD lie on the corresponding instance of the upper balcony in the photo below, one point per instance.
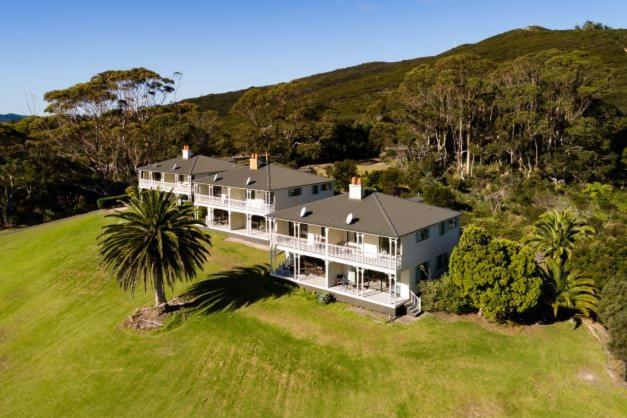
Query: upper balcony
(357, 252)
(225, 202)
(178, 187)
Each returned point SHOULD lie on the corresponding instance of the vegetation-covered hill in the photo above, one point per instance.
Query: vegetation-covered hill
(352, 89)
(62, 351)
(10, 117)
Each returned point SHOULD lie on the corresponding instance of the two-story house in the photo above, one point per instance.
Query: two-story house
(369, 249)
(177, 174)
(239, 200)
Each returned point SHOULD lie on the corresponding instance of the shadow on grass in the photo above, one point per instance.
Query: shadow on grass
(234, 289)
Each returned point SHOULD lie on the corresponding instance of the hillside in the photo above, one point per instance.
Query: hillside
(10, 117)
(279, 353)
(352, 89)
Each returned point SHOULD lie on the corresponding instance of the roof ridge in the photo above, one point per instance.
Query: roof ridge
(191, 170)
(386, 216)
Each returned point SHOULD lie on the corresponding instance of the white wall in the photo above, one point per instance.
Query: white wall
(416, 253)
(282, 200)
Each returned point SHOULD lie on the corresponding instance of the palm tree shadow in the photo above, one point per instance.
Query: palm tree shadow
(234, 289)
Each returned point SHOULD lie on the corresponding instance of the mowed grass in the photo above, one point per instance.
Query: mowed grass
(62, 351)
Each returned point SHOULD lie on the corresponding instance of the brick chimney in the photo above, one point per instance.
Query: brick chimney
(355, 191)
(254, 161)
(186, 152)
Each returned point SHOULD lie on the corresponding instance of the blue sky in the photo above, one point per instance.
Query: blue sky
(227, 45)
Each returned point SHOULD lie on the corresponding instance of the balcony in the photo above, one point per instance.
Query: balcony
(346, 251)
(250, 205)
(178, 187)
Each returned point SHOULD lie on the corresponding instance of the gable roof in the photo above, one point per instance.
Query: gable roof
(197, 164)
(376, 213)
(268, 177)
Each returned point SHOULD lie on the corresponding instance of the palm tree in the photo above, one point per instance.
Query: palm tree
(555, 233)
(569, 289)
(154, 242)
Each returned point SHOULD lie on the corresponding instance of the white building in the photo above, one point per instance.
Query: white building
(239, 200)
(367, 249)
(177, 174)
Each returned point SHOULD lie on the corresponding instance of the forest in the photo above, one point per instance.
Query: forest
(504, 139)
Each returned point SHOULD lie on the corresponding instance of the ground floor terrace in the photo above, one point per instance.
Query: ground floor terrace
(237, 223)
(374, 289)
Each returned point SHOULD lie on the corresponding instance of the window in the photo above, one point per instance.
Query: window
(251, 194)
(422, 235)
(296, 191)
(217, 190)
(441, 262)
(315, 189)
(442, 228)
(156, 176)
(181, 178)
(422, 271)
(326, 186)
(351, 237)
(452, 223)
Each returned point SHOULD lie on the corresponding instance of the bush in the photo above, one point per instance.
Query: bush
(613, 314)
(324, 298)
(499, 276)
(110, 201)
(442, 295)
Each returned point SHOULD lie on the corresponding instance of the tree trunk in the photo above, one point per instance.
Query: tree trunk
(160, 299)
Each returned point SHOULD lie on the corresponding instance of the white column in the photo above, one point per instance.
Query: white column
(326, 241)
(326, 273)
(390, 286)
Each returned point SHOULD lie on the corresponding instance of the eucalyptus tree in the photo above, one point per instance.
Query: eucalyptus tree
(153, 243)
(99, 122)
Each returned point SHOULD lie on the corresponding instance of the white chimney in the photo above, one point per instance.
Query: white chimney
(186, 152)
(355, 191)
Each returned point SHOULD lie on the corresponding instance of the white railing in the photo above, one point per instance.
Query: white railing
(184, 187)
(415, 301)
(252, 205)
(345, 252)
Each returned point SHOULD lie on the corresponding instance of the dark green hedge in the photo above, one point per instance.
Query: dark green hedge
(110, 201)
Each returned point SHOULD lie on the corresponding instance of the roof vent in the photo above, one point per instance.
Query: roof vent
(249, 181)
(216, 177)
(303, 211)
(176, 167)
(349, 219)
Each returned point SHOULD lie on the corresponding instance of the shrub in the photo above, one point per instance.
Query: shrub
(443, 295)
(499, 276)
(324, 298)
(110, 201)
(613, 314)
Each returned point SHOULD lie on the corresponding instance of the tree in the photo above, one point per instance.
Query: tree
(613, 313)
(342, 172)
(16, 172)
(554, 235)
(568, 289)
(154, 243)
(499, 276)
(99, 123)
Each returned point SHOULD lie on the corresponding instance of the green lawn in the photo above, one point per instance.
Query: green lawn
(62, 351)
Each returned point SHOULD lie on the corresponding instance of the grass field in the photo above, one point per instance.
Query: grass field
(62, 351)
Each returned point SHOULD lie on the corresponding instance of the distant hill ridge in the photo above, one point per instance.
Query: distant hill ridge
(352, 89)
(10, 117)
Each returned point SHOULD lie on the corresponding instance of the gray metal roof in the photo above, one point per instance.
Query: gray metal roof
(268, 177)
(197, 164)
(376, 213)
